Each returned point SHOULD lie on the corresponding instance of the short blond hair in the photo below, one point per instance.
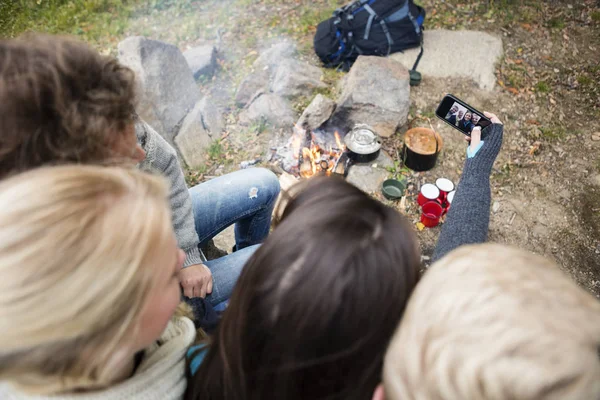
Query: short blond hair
(75, 244)
(495, 323)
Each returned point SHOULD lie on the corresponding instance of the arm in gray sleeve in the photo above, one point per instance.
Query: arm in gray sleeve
(469, 217)
(161, 157)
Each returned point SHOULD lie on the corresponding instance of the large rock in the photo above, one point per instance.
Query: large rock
(457, 54)
(369, 177)
(202, 60)
(199, 128)
(376, 92)
(270, 108)
(275, 54)
(257, 81)
(317, 113)
(295, 79)
(166, 86)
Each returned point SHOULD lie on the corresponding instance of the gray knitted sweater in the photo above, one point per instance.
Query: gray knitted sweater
(162, 158)
(469, 217)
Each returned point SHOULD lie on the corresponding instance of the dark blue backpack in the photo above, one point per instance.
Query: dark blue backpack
(369, 27)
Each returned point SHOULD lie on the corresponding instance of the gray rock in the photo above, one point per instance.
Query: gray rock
(296, 78)
(368, 178)
(376, 92)
(255, 82)
(457, 54)
(317, 113)
(212, 251)
(226, 239)
(197, 132)
(210, 116)
(165, 83)
(202, 60)
(275, 54)
(271, 108)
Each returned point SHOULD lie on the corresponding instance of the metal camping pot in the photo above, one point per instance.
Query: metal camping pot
(421, 148)
(362, 144)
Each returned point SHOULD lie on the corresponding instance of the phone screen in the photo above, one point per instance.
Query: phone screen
(460, 115)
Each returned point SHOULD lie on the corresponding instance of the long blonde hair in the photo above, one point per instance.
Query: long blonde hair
(75, 244)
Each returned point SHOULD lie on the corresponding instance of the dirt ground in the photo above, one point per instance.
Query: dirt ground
(546, 181)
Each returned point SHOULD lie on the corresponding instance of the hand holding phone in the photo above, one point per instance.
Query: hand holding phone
(460, 115)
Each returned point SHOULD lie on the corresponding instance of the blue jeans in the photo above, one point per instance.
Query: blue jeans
(245, 198)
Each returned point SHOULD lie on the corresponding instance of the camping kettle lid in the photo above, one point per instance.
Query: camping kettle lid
(362, 140)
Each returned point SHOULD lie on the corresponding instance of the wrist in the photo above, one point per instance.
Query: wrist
(192, 257)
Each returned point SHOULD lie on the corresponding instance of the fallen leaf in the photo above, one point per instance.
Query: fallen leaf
(527, 27)
(513, 90)
(533, 122)
(496, 206)
(596, 137)
(420, 226)
(534, 148)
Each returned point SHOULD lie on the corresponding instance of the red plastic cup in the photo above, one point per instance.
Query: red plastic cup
(445, 186)
(428, 192)
(449, 199)
(432, 211)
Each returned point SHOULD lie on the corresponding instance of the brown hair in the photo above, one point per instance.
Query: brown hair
(316, 305)
(60, 102)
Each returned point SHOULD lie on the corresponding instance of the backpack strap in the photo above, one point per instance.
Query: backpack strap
(414, 68)
(386, 31)
(372, 16)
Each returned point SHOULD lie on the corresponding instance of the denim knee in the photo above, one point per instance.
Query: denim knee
(269, 183)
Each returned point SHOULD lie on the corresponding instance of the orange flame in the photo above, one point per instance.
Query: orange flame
(315, 159)
(338, 141)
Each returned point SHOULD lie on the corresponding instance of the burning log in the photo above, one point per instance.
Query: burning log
(306, 169)
(313, 152)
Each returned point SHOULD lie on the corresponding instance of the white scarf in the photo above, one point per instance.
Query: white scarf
(160, 376)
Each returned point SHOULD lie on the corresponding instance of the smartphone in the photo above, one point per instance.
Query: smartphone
(460, 115)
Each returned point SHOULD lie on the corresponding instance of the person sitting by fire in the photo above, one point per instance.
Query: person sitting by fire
(475, 120)
(456, 118)
(493, 322)
(453, 110)
(465, 124)
(318, 327)
(62, 102)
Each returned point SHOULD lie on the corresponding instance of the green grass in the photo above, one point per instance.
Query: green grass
(553, 133)
(515, 76)
(595, 16)
(89, 19)
(215, 150)
(542, 87)
(584, 80)
(556, 23)
(259, 127)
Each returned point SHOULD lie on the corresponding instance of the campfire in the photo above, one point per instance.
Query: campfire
(315, 153)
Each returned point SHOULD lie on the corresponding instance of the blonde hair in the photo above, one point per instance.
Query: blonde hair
(495, 323)
(75, 244)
